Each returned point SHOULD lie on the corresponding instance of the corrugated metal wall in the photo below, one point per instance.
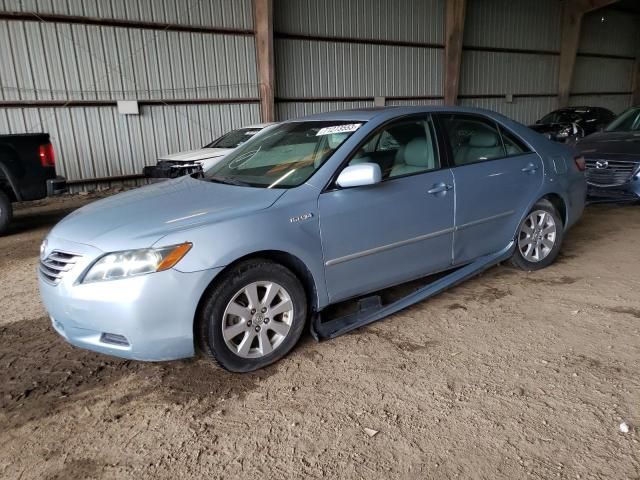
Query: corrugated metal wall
(339, 50)
(207, 13)
(308, 68)
(408, 20)
(612, 33)
(98, 142)
(510, 47)
(330, 54)
(52, 60)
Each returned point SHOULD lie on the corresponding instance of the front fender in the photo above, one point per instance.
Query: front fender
(290, 226)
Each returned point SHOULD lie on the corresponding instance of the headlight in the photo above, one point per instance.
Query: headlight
(131, 263)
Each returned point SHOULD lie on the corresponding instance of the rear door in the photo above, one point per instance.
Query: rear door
(496, 177)
(394, 231)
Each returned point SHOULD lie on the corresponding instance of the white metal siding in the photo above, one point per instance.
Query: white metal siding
(524, 110)
(517, 25)
(522, 24)
(400, 20)
(485, 73)
(68, 62)
(615, 103)
(323, 68)
(204, 13)
(291, 110)
(594, 74)
(606, 32)
(54, 61)
(98, 142)
(319, 69)
(610, 32)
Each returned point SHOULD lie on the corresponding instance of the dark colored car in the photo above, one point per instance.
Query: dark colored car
(571, 123)
(613, 159)
(27, 172)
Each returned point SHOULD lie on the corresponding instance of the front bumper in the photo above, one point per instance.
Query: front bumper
(628, 192)
(170, 169)
(149, 317)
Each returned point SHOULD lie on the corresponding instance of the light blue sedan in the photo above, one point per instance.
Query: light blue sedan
(314, 212)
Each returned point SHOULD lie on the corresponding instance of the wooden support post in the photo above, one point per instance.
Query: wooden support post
(635, 101)
(454, 33)
(636, 83)
(263, 20)
(572, 13)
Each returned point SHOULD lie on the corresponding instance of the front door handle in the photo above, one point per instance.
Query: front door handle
(531, 168)
(439, 188)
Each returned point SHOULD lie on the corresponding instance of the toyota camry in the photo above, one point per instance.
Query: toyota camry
(322, 210)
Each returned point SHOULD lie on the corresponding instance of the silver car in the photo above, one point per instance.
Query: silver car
(326, 209)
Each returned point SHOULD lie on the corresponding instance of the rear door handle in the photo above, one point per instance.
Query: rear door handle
(531, 168)
(439, 188)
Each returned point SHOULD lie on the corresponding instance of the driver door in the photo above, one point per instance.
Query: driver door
(400, 229)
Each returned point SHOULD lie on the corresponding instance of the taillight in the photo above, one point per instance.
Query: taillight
(580, 163)
(46, 155)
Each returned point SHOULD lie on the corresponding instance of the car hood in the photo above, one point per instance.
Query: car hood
(193, 155)
(139, 218)
(611, 143)
(548, 127)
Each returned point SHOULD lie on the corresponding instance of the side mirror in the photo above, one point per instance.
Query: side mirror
(538, 122)
(359, 175)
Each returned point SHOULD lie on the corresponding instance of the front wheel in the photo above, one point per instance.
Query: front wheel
(253, 317)
(539, 238)
(6, 212)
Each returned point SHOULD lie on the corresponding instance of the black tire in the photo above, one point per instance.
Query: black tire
(6, 212)
(211, 316)
(518, 259)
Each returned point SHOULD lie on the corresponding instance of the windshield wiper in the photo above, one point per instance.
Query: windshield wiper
(228, 181)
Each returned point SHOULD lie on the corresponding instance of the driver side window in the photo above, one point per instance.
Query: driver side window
(402, 148)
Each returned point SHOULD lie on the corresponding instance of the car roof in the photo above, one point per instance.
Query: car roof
(383, 113)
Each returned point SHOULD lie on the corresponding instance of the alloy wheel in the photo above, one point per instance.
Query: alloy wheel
(537, 236)
(257, 319)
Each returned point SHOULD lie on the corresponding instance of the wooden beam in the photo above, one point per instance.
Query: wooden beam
(587, 6)
(454, 33)
(263, 20)
(572, 13)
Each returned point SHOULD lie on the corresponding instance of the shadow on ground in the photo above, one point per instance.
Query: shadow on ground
(40, 375)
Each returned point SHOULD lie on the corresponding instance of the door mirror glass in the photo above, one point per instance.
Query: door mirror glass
(360, 175)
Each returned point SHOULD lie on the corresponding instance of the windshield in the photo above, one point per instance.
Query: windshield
(629, 121)
(234, 139)
(284, 157)
(563, 116)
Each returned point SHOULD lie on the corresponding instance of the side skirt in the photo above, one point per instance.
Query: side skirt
(371, 309)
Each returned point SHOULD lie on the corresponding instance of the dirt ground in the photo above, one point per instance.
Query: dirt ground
(510, 375)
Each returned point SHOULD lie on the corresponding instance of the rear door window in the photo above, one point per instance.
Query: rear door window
(474, 139)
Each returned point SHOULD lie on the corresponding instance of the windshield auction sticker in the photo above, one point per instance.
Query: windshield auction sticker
(352, 127)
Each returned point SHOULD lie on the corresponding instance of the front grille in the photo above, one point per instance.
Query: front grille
(56, 265)
(616, 172)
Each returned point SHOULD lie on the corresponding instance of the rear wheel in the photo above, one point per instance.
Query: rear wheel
(539, 238)
(6, 212)
(253, 317)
